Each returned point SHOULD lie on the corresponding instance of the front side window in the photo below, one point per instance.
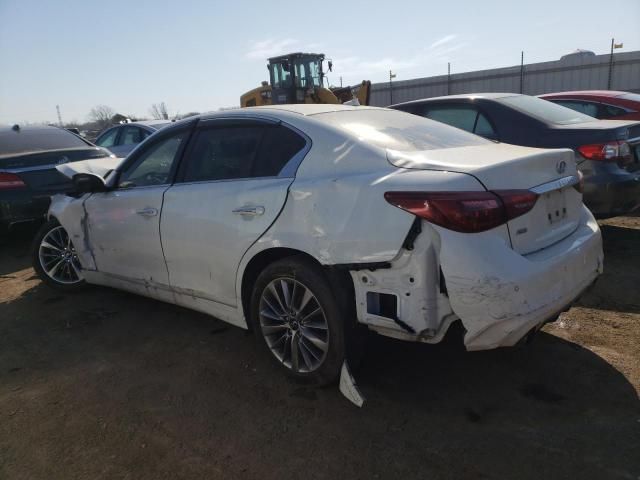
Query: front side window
(153, 165)
(222, 153)
(108, 139)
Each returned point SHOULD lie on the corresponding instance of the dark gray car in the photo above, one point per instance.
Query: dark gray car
(607, 151)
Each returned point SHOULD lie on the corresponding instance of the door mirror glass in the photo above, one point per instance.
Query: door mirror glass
(88, 183)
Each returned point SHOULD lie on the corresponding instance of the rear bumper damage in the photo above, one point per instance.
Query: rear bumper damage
(499, 295)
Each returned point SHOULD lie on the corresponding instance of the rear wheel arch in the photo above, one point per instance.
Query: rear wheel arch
(339, 279)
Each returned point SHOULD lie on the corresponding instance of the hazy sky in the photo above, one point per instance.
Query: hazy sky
(201, 55)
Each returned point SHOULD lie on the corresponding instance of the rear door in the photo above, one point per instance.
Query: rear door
(231, 187)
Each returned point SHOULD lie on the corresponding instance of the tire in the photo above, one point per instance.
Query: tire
(56, 263)
(320, 338)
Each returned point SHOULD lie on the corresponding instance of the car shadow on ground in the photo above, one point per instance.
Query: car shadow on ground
(118, 383)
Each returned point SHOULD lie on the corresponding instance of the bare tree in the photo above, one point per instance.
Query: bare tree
(101, 115)
(159, 111)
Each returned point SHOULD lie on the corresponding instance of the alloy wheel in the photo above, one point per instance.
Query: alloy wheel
(58, 257)
(294, 325)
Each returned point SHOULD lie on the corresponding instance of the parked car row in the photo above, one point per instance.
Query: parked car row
(607, 152)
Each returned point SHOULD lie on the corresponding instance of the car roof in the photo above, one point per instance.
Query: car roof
(595, 93)
(149, 123)
(300, 109)
(487, 95)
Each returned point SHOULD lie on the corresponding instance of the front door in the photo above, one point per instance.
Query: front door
(124, 223)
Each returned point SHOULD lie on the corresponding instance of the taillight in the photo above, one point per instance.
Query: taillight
(617, 151)
(10, 181)
(467, 212)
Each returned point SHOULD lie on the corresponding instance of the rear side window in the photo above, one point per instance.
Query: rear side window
(459, 117)
(131, 135)
(398, 130)
(612, 111)
(279, 145)
(223, 153)
(588, 108)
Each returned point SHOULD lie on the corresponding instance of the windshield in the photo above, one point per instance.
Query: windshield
(308, 72)
(280, 75)
(544, 110)
(400, 131)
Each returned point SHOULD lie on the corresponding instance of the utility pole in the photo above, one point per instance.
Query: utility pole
(59, 117)
(613, 45)
(391, 77)
(340, 82)
(448, 78)
(522, 71)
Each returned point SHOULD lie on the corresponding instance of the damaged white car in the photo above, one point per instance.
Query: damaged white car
(307, 222)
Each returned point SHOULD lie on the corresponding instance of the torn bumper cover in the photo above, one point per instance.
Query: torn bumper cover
(501, 295)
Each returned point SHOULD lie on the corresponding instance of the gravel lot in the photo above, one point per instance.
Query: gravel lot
(109, 385)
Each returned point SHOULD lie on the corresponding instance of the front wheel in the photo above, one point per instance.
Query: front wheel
(300, 320)
(54, 258)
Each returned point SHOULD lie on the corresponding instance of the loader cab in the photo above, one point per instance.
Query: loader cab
(295, 76)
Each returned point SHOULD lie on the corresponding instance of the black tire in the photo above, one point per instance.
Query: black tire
(336, 306)
(37, 263)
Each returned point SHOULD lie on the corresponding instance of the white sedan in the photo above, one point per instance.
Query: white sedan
(307, 222)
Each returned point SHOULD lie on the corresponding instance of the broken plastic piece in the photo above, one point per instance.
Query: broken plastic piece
(348, 386)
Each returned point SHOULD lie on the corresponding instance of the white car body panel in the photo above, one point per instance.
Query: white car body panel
(334, 211)
(205, 263)
(120, 214)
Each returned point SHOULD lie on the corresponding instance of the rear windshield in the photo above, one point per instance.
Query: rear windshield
(631, 96)
(400, 131)
(545, 110)
(37, 139)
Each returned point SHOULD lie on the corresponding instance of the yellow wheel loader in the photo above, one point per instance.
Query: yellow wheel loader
(299, 78)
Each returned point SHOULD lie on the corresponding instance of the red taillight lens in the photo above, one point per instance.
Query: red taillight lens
(10, 181)
(467, 212)
(607, 152)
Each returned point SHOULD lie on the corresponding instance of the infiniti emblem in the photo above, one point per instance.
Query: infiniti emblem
(561, 166)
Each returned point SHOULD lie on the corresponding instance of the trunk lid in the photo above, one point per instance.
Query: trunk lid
(549, 173)
(38, 169)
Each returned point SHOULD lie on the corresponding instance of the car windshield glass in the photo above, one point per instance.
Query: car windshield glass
(397, 130)
(37, 139)
(631, 96)
(544, 110)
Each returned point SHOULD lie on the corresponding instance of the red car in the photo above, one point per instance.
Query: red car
(602, 104)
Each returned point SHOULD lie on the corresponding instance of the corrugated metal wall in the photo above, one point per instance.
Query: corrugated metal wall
(575, 73)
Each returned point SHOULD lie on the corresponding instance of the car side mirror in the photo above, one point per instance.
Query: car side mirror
(88, 183)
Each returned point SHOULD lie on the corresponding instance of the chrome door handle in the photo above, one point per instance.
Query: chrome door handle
(148, 212)
(249, 211)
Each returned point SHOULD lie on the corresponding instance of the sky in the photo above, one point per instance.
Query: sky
(198, 55)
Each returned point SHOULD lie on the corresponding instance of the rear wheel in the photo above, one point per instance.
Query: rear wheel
(300, 320)
(54, 258)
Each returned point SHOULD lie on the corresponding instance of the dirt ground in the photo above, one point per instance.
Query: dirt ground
(108, 385)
